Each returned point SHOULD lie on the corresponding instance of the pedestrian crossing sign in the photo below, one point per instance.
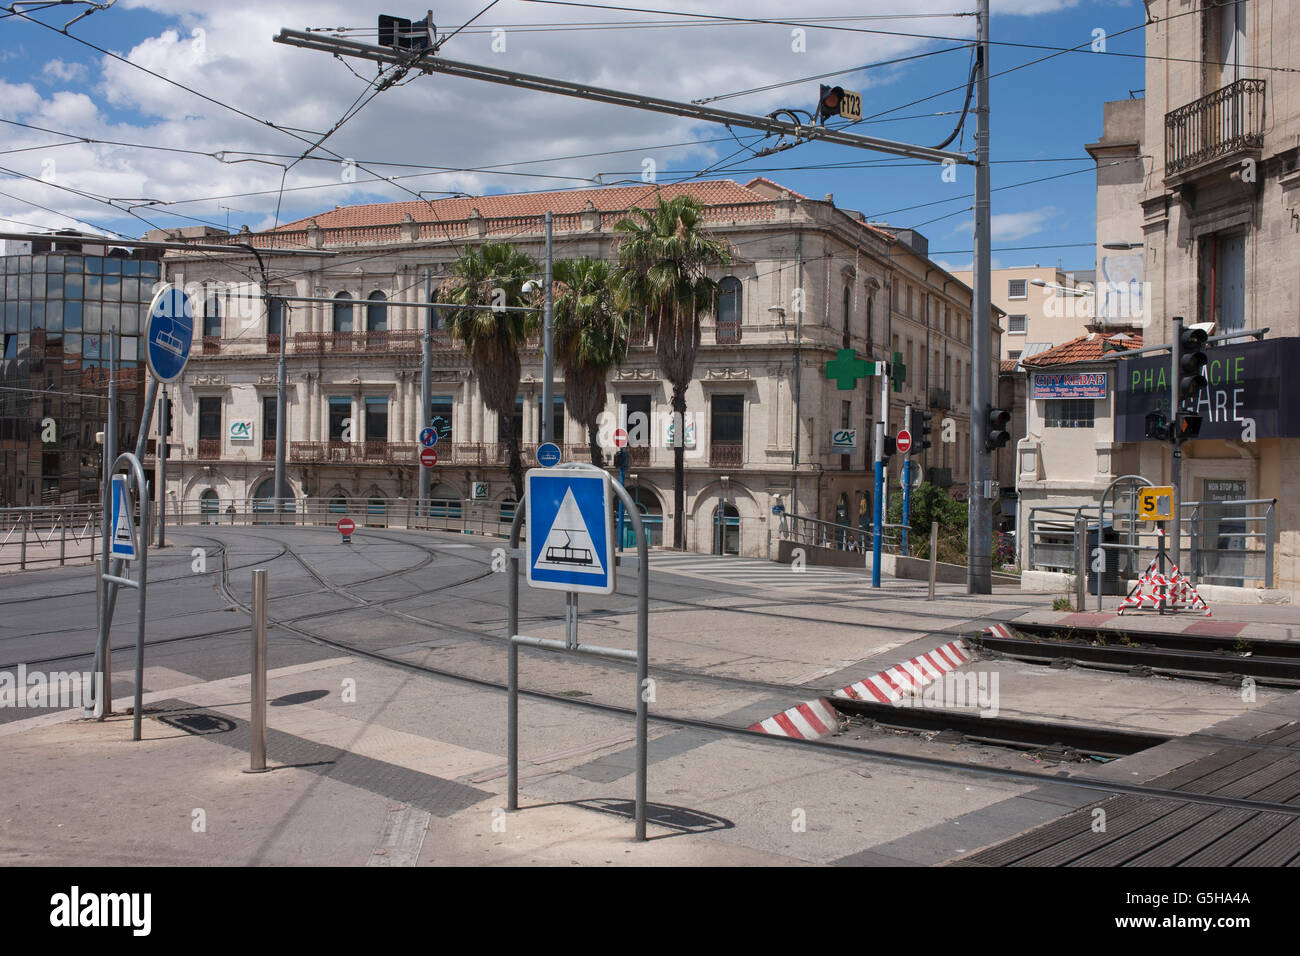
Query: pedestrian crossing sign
(570, 532)
(122, 543)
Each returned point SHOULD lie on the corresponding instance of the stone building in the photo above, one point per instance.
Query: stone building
(807, 280)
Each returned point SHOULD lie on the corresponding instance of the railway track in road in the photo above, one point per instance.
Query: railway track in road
(1188, 656)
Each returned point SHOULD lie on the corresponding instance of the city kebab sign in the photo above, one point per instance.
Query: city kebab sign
(1249, 382)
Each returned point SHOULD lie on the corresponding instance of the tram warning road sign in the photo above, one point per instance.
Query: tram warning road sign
(169, 333)
(570, 530)
(428, 457)
(904, 441)
(122, 542)
(428, 436)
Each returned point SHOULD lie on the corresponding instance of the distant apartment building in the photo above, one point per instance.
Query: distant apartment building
(1199, 200)
(807, 280)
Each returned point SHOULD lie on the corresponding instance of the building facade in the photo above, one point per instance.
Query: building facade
(61, 300)
(807, 280)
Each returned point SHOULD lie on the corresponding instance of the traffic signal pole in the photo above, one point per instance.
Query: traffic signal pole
(979, 566)
(878, 513)
(1176, 456)
(907, 478)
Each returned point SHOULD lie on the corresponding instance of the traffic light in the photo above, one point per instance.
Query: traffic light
(620, 459)
(923, 433)
(997, 428)
(402, 34)
(1189, 426)
(828, 104)
(1191, 371)
(890, 449)
(1157, 426)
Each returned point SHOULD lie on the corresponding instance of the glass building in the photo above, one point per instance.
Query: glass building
(59, 305)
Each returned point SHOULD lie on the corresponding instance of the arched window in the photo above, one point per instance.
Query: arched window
(377, 312)
(338, 506)
(848, 313)
(209, 507)
(444, 502)
(211, 317)
(264, 498)
(726, 529)
(275, 318)
(342, 312)
(871, 315)
(508, 510)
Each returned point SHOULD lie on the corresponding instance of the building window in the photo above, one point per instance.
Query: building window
(846, 419)
(377, 312)
(376, 418)
(210, 419)
(1221, 285)
(268, 417)
(211, 318)
(1017, 324)
(342, 312)
(871, 314)
(557, 418)
(1069, 412)
(440, 409)
(512, 427)
(1017, 288)
(1014, 355)
(340, 418)
(730, 300)
(848, 314)
(275, 318)
(727, 420)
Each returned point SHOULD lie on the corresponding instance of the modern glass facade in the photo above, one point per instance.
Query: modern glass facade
(57, 313)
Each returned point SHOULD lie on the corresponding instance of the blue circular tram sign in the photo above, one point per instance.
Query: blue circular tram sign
(548, 455)
(169, 333)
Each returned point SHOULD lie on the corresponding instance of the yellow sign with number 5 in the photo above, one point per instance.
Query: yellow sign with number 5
(1156, 503)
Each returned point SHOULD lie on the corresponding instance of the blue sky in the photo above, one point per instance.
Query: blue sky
(1040, 114)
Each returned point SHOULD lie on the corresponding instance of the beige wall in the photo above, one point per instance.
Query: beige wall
(1050, 315)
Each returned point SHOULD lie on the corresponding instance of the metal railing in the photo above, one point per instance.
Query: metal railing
(1225, 121)
(1223, 542)
(441, 514)
(726, 454)
(48, 536)
(837, 537)
(727, 333)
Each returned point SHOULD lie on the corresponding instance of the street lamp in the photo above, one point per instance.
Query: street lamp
(1060, 288)
(1119, 245)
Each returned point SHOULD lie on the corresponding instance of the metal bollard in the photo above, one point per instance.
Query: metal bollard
(934, 554)
(257, 719)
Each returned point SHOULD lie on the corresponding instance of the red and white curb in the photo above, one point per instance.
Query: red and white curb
(999, 630)
(818, 718)
(909, 677)
(808, 721)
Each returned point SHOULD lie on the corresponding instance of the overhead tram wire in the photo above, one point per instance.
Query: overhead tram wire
(929, 36)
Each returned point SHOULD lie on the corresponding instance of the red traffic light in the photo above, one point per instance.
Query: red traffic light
(828, 104)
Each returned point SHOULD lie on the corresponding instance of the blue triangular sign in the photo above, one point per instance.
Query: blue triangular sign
(122, 543)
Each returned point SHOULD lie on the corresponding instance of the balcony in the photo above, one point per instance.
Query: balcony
(726, 454)
(1226, 121)
(368, 342)
(268, 449)
(273, 345)
(367, 452)
(210, 449)
(940, 398)
(639, 456)
(211, 345)
(727, 333)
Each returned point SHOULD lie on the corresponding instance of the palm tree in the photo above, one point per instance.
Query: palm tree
(483, 281)
(590, 338)
(664, 255)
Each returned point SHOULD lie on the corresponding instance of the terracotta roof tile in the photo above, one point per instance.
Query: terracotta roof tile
(715, 192)
(1086, 348)
(1008, 366)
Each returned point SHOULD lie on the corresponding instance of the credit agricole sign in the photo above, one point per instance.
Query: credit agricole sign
(1258, 381)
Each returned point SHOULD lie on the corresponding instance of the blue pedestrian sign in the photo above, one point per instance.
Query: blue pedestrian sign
(428, 437)
(122, 543)
(570, 529)
(548, 455)
(169, 333)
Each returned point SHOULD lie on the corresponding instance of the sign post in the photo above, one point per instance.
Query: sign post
(568, 514)
(904, 444)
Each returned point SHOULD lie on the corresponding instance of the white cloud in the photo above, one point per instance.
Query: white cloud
(1009, 226)
(64, 72)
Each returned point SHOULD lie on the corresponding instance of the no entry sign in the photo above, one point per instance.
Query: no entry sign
(346, 526)
(620, 438)
(428, 457)
(904, 441)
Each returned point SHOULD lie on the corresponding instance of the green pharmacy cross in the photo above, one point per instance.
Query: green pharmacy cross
(900, 372)
(847, 368)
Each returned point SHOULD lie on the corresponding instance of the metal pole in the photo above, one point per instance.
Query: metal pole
(146, 419)
(141, 598)
(979, 578)
(103, 654)
(164, 422)
(426, 386)
(907, 479)
(1080, 560)
(878, 514)
(1176, 457)
(512, 657)
(257, 677)
(63, 536)
(23, 522)
(934, 554)
(281, 412)
(548, 343)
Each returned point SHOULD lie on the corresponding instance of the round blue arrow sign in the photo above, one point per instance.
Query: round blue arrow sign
(428, 437)
(169, 333)
(548, 454)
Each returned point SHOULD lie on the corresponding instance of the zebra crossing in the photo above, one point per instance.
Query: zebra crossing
(754, 571)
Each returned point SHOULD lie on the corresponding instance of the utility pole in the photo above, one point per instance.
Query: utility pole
(883, 370)
(425, 418)
(1176, 454)
(548, 345)
(907, 480)
(281, 385)
(979, 566)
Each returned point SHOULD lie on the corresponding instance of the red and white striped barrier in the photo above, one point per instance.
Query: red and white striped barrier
(807, 721)
(902, 680)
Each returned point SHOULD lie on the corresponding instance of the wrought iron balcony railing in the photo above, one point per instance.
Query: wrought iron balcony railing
(726, 454)
(1224, 122)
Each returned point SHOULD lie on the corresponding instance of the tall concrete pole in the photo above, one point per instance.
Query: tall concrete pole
(426, 386)
(548, 343)
(979, 568)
